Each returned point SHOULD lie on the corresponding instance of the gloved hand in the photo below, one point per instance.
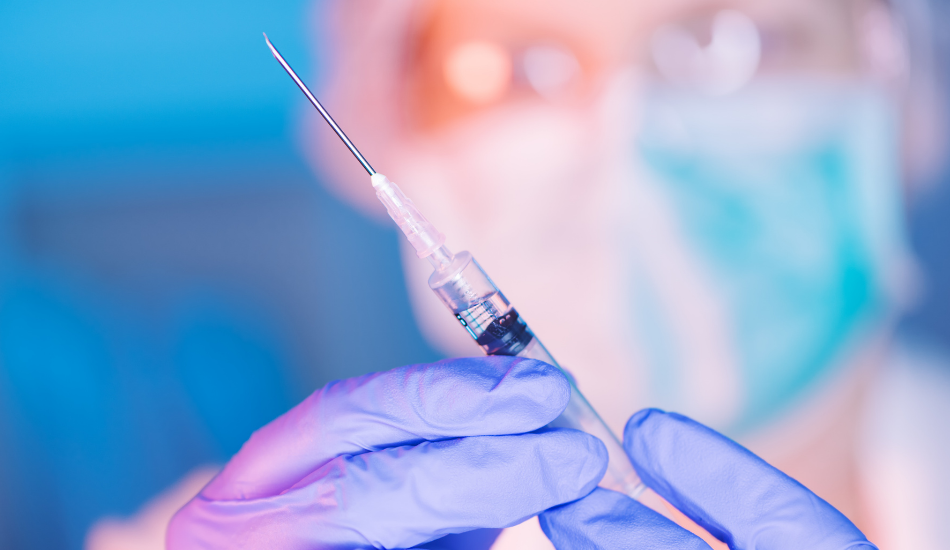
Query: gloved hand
(394, 459)
(720, 485)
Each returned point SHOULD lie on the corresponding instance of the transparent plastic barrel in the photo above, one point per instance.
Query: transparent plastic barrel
(497, 327)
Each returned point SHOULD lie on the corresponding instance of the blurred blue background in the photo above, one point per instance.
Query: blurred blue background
(169, 277)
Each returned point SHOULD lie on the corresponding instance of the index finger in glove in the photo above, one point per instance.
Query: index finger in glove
(450, 398)
(729, 491)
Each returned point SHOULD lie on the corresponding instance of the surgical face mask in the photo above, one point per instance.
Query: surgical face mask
(787, 193)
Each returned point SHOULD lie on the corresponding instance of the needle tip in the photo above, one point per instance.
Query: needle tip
(269, 45)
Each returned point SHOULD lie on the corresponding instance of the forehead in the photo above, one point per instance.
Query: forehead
(815, 34)
(610, 23)
(601, 25)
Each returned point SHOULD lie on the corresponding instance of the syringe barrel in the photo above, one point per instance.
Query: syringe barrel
(478, 304)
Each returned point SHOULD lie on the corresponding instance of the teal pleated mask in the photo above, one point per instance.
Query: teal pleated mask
(788, 194)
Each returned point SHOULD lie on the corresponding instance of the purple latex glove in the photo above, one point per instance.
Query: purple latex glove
(394, 459)
(720, 485)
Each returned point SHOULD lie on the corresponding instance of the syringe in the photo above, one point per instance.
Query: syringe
(469, 293)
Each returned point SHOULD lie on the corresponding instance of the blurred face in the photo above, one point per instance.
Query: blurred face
(672, 193)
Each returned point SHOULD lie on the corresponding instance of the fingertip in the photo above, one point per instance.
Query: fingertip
(651, 433)
(542, 388)
(577, 460)
(639, 421)
(642, 415)
(597, 461)
(650, 439)
(550, 383)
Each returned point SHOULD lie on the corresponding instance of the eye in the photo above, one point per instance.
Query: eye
(549, 69)
(478, 71)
